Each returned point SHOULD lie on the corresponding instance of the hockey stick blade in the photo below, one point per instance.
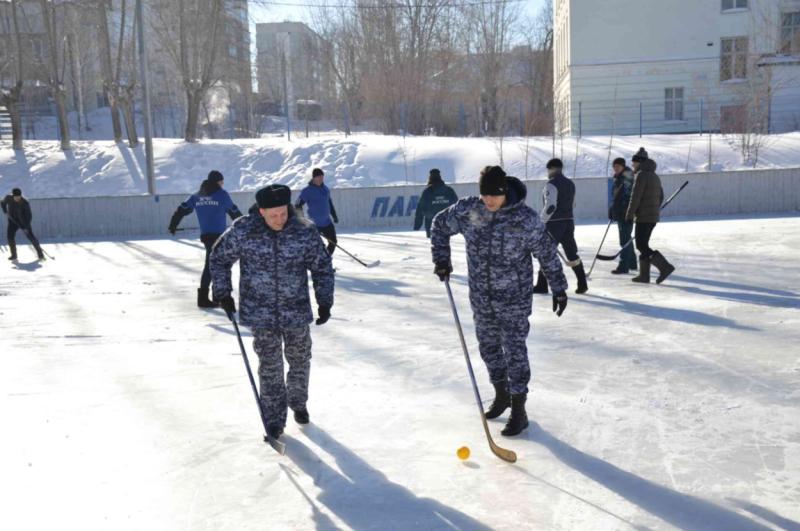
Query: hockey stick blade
(376, 263)
(276, 444)
(503, 453)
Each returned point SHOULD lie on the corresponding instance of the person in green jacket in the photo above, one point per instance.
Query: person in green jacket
(645, 209)
(436, 197)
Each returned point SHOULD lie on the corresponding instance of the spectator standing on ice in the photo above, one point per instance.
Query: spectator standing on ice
(320, 207)
(211, 203)
(276, 249)
(645, 209)
(620, 199)
(18, 211)
(436, 197)
(501, 235)
(558, 198)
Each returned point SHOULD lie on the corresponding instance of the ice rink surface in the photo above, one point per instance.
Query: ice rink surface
(125, 407)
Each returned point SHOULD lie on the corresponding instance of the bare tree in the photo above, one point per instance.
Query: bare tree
(56, 61)
(10, 98)
(193, 49)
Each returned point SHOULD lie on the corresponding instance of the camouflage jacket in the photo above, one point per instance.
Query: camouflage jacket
(273, 271)
(499, 248)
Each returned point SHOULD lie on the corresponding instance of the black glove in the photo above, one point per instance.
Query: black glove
(610, 214)
(559, 302)
(443, 270)
(172, 230)
(227, 304)
(324, 314)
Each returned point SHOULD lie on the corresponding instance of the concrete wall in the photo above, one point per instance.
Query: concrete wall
(743, 192)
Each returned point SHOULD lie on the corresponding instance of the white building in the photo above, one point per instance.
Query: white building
(670, 66)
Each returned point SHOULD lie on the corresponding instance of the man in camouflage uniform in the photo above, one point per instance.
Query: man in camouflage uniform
(501, 233)
(276, 250)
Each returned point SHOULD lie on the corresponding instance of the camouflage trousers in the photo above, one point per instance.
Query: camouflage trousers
(272, 345)
(502, 343)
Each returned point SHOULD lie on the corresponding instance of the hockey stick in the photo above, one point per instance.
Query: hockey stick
(502, 453)
(599, 249)
(668, 201)
(367, 265)
(275, 443)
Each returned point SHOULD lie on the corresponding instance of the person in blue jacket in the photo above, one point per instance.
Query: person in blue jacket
(320, 207)
(211, 203)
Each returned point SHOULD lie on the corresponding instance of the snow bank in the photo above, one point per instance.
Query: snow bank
(97, 168)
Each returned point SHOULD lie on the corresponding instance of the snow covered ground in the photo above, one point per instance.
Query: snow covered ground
(97, 168)
(659, 407)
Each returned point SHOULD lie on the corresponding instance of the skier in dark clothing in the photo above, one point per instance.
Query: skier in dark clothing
(436, 197)
(501, 234)
(18, 211)
(558, 199)
(276, 250)
(620, 198)
(645, 209)
(211, 203)
(320, 207)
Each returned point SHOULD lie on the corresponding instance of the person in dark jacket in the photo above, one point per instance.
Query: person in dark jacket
(18, 211)
(211, 203)
(320, 207)
(558, 198)
(276, 249)
(645, 209)
(436, 197)
(501, 233)
(620, 198)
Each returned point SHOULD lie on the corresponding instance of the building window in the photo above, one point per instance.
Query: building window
(727, 5)
(790, 33)
(673, 103)
(733, 61)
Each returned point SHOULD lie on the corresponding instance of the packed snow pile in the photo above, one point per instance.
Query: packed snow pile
(96, 168)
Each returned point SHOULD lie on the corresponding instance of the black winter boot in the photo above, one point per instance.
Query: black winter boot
(502, 400)
(580, 274)
(518, 420)
(541, 283)
(12, 246)
(644, 271)
(275, 431)
(620, 270)
(301, 416)
(665, 269)
(203, 301)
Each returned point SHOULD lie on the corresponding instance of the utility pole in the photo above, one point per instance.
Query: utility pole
(148, 126)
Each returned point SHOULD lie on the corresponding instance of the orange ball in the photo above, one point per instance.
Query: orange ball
(463, 453)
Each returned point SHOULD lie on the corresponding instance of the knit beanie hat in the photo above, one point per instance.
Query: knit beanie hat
(16, 191)
(619, 160)
(214, 176)
(274, 195)
(493, 181)
(640, 156)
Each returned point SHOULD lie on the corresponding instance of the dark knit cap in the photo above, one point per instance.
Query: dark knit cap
(493, 181)
(16, 191)
(214, 176)
(316, 172)
(618, 160)
(554, 163)
(640, 156)
(274, 195)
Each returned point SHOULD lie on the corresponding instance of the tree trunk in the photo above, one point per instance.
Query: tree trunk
(60, 98)
(192, 115)
(126, 103)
